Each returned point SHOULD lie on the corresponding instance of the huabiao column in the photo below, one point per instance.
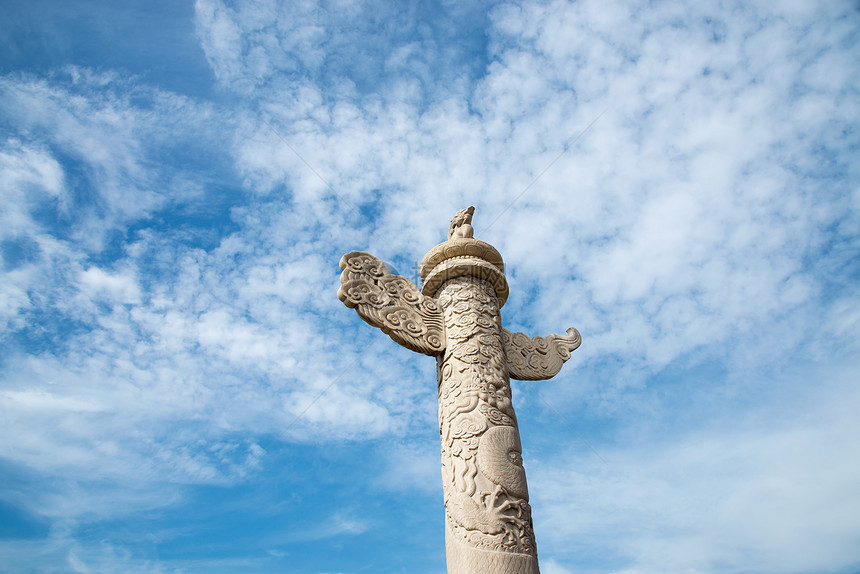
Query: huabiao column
(455, 317)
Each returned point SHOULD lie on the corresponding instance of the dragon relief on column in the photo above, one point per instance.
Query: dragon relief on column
(486, 497)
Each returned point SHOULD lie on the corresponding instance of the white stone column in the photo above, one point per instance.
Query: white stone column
(456, 318)
(488, 524)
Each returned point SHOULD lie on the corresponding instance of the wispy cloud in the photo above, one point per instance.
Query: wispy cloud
(769, 490)
(170, 265)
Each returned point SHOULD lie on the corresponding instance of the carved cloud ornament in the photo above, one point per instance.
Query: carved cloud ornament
(392, 303)
(538, 358)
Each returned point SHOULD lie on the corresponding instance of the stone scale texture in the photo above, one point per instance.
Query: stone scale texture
(456, 318)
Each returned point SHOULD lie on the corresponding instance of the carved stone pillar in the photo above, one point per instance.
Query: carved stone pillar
(456, 318)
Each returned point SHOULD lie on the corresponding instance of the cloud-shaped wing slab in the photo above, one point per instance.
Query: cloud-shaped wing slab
(391, 303)
(538, 358)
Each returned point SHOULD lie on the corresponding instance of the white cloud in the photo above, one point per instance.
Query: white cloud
(171, 349)
(122, 287)
(30, 179)
(708, 214)
(90, 121)
(41, 400)
(769, 490)
(706, 229)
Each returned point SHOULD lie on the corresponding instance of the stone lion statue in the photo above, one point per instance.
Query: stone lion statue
(461, 224)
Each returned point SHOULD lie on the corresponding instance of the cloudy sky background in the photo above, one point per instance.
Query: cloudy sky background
(183, 392)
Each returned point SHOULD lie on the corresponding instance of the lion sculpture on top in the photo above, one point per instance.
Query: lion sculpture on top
(461, 224)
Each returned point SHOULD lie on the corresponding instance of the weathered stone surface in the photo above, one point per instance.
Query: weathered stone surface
(456, 318)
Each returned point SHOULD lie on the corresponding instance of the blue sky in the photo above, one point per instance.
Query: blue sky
(183, 392)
